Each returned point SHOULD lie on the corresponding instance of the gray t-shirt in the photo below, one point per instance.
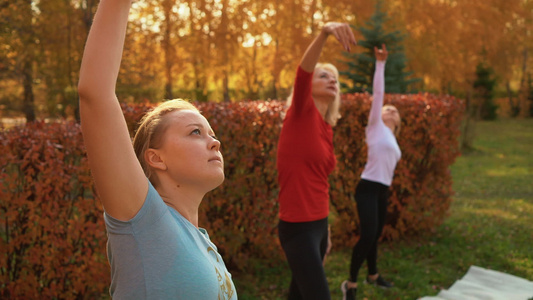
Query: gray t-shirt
(161, 255)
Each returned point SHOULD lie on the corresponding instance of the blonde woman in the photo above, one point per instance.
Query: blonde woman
(305, 158)
(150, 194)
(373, 189)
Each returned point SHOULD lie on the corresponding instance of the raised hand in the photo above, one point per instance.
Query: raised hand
(381, 54)
(342, 32)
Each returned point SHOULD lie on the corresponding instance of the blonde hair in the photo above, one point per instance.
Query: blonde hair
(333, 113)
(152, 128)
(399, 126)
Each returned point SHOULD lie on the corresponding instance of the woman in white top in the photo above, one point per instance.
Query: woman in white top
(150, 191)
(373, 188)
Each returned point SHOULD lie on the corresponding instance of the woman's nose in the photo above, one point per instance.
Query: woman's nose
(215, 144)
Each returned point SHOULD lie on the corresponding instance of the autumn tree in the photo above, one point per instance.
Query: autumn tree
(233, 50)
(19, 33)
(62, 35)
(361, 65)
(484, 86)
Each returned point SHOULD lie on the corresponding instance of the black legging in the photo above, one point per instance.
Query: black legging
(305, 245)
(371, 198)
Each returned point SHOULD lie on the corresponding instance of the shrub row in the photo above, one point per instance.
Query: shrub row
(422, 187)
(52, 232)
(52, 241)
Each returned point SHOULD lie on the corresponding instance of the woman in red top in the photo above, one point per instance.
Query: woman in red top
(305, 159)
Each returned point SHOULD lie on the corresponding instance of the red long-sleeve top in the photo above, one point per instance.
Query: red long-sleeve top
(305, 157)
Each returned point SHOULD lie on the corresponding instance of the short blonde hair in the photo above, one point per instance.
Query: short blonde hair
(399, 126)
(152, 128)
(333, 113)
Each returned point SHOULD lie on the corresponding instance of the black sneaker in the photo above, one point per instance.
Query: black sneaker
(382, 283)
(348, 294)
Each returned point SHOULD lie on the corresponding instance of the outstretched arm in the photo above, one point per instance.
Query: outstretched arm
(378, 90)
(119, 178)
(342, 32)
(302, 87)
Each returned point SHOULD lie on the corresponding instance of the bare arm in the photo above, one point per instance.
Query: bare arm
(378, 85)
(342, 32)
(302, 88)
(119, 178)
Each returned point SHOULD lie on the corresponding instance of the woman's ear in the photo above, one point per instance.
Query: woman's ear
(154, 160)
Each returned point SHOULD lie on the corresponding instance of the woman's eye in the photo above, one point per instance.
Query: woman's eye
(196, 131)
(327, 77)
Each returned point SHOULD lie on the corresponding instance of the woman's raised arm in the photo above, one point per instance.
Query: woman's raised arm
(119, 178)
(378, 85)
(342, 32)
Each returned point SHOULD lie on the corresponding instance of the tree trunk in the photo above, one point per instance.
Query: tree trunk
(88, 9)
(253, 94)
(28, 36)
(275, 71)
(72, 97)
(274, 91)
(524, 90)
(513, 107)
(167, 7)
(27, 82)
(225, 88)
(467, 137)
(198, 84)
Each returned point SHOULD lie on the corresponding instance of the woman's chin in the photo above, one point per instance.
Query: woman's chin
(216, 181)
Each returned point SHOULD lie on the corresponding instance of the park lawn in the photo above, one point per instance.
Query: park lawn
(490, 225)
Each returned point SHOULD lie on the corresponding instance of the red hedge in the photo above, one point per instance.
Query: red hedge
(53, 236)
(422, 185)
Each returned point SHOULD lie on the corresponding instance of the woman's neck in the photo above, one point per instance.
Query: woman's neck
(322, 107)
(184, 200)
(390, 124)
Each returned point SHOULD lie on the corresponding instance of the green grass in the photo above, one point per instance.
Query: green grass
(490, 225)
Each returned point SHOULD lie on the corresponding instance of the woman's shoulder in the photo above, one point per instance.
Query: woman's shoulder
(151, 210)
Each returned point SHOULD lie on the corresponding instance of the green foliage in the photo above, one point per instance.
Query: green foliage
(361, 66)
(484, 86)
